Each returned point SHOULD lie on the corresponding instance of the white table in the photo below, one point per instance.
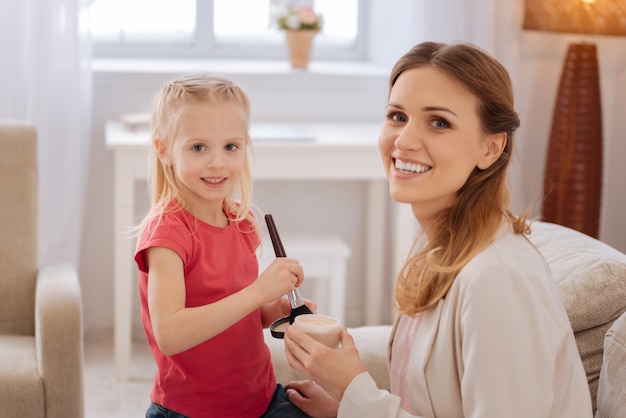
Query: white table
(339, 152)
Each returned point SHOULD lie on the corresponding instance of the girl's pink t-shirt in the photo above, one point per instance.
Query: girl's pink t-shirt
(231, 374)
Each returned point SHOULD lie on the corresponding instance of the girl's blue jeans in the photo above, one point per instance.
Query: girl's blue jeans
(280, 407)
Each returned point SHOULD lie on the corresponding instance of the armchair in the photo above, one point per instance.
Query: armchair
(41, 338)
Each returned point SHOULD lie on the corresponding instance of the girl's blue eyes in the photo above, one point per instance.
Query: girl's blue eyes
(200, 147)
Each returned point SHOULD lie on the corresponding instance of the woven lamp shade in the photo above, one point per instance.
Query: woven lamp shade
(599, 17)
(573, 173)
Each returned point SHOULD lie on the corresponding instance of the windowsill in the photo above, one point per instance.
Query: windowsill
(238, 67)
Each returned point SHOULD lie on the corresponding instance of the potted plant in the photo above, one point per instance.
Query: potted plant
(300, 24)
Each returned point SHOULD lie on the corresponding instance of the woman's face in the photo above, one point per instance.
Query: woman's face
(431, 140)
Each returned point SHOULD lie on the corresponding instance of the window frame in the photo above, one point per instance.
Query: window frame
(205, 46)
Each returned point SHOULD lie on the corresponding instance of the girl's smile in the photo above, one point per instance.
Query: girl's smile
(215, 181)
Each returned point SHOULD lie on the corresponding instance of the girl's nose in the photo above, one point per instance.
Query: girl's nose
(215, 160)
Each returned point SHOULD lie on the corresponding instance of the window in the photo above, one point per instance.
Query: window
(219, 28)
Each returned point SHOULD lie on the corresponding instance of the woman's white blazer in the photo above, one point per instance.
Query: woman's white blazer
(499, 345)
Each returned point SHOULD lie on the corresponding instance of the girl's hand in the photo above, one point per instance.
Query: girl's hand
(312, 399)
(279, 278)
(332, 369)
(280, 308)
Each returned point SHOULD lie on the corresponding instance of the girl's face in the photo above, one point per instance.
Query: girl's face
(432, 140)
(208, 155)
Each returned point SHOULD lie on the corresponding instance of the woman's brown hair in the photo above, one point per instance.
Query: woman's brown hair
(456, 234)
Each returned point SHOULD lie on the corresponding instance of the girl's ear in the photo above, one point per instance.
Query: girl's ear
(494, 147)
(161, 149)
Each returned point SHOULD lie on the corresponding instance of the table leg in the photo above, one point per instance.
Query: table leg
(377, 200)
(337, 288)
(123, 263)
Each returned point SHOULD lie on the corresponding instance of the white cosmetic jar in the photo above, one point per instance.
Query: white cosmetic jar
(325, 329)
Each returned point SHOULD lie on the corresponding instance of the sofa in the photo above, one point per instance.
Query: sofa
(591, 277)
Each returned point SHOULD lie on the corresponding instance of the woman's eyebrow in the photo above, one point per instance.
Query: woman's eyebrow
(439, 109)
(425, 108)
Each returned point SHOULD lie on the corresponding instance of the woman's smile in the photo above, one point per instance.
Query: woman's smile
(407, 167)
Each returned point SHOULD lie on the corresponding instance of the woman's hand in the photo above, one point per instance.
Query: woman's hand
(312, 399)
(332, 369)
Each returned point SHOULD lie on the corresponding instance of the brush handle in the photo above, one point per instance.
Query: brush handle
(279, 250)
(295, 299)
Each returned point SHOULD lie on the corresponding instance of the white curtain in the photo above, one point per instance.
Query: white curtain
(45, 79)
(493, 25)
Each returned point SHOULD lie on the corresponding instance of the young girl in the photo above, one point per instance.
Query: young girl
(203, 307)
(481, 330)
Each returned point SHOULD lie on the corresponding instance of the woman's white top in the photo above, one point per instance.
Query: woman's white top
(498, 345)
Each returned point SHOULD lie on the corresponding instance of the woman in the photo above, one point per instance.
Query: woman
(481, 330)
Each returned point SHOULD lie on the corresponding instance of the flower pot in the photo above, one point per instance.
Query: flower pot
(300, 43)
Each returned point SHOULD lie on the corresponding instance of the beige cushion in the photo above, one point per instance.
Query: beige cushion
(21, 386)
(612, 387)
(591, 277)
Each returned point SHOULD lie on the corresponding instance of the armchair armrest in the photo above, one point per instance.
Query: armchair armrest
(59, 340)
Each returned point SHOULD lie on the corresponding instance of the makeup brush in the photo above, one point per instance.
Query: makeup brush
(297, 303)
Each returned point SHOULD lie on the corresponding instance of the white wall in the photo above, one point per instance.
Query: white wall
(534, 61)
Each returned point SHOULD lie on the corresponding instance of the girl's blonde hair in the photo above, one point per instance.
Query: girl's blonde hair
(167, 112)
(455, 235)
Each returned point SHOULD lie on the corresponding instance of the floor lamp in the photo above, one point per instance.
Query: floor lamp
(573, 172)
